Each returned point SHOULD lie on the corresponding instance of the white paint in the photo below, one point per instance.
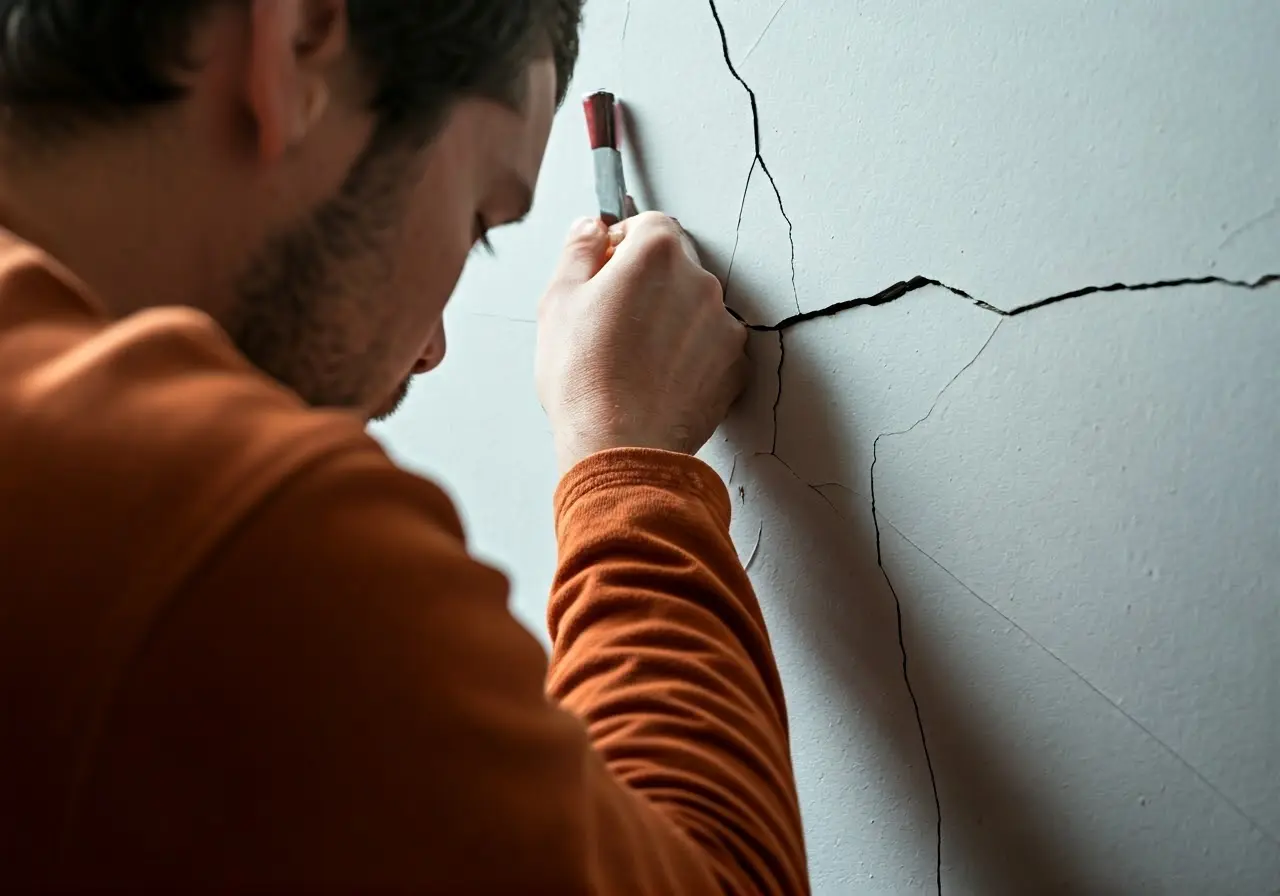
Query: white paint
(1085, 532)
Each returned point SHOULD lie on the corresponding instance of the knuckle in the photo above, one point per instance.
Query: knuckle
(651, 219)
(709, 288)
(642, 227)
(660, 247)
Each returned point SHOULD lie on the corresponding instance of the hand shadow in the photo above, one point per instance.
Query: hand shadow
(642, 186)
(850, 618)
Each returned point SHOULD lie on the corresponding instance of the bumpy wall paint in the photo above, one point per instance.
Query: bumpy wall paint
(1008, 475)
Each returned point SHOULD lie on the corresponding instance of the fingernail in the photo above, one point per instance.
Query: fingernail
(585, 227)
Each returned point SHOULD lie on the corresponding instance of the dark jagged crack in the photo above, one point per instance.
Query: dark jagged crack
(757, 161)
(777, 399)
(907, 287)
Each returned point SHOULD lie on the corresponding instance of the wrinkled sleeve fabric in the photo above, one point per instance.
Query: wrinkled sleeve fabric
(341, 700)
(660, 646)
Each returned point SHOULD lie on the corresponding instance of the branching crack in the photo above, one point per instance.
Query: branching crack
(892, 294)
(907, 287)
(887, 296)
(902, 635)
(757, 161)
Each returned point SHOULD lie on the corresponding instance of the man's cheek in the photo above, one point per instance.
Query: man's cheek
(425, 279)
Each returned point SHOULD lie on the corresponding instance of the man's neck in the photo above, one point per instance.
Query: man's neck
(114, 211)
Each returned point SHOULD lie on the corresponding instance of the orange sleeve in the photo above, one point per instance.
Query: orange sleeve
(659, 645)
(341, 700)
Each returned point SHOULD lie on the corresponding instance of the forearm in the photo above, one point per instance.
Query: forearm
(659, 645)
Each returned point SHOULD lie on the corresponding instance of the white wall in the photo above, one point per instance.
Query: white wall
(1083, 528)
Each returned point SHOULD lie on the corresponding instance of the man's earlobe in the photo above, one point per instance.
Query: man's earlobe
(311, 109)
(273, 80)
(294, 45)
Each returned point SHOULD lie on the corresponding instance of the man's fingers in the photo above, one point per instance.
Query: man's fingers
(637, 224)
(653, 225)
(584, 252)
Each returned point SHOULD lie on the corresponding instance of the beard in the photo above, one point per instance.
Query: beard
(394, 403)
(312, 306)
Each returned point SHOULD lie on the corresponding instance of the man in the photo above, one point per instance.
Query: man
(240, 650)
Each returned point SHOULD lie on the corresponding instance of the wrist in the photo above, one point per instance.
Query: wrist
(572, 450)
(627, 467)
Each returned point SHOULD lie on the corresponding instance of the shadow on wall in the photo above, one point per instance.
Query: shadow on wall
(991, 824)
(643, 188)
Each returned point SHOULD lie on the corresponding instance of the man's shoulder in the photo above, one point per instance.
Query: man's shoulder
(149, 477)
(132, 444)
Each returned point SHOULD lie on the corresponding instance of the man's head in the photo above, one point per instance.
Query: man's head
(322, 167)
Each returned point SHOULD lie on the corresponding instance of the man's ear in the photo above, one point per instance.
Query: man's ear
(293, 46)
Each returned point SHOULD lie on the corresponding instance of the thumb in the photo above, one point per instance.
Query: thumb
(584, 252)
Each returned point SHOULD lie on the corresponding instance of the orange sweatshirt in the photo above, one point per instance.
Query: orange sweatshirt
(241, 650)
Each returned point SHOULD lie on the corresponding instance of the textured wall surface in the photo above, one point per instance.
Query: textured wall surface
(1022, 569)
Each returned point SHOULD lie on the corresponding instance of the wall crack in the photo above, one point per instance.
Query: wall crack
(773, 18)
(885, 297)
(1151, 735)
(905, 288)
(892, 294)
(757, 162)
(1251, 224)
(897, 600)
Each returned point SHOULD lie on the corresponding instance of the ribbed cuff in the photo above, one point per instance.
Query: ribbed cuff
(630, 467)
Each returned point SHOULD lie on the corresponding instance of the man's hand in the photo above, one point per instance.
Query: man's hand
(635, 346)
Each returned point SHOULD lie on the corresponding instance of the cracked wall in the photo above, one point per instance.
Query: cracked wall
(1006, 478)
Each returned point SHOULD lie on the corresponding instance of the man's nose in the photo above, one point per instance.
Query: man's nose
(433, 357)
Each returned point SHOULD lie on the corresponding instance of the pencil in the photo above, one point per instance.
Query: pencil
(603, 127)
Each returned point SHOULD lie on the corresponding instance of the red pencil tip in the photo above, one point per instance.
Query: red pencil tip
(602, 120)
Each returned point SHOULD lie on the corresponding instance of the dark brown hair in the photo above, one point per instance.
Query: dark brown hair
(67, 62)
